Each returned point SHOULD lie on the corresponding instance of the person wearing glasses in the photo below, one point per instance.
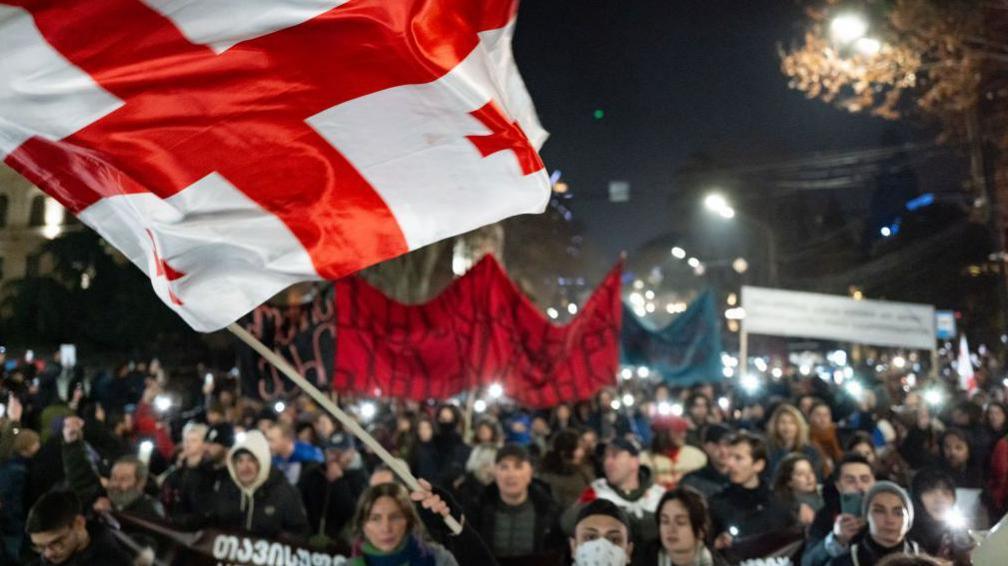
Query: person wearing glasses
(60, 534)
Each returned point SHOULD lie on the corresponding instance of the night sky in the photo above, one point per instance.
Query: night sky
(673, 78)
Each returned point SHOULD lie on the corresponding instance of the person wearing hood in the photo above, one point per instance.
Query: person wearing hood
(451, 450)
(628, 485)
(258, 499)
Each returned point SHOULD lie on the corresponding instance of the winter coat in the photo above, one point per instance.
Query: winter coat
(546, 528)
(640, 505)
(567, 485)
(103, 550)
(751, 511)
(267, 507)
(867, 552)
(707, 480)
(13, 511)
(330, 505)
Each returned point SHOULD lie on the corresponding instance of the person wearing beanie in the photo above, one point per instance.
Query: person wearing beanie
(890, 513)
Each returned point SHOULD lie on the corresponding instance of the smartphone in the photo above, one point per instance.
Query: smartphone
(850, 503)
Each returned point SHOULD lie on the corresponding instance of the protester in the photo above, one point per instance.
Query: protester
(61, 535)
(683, 527)
(670, 458)
(330, 491)
(515, 515)
(840, 521)
(565, 470)
(746, 507)
(823, 435)
(628, 485)
(291, 456)
(257, 497)
(890, 513)
(788, 433)
(794, 485)
(713, 477)
(13, 488)
(601, 535)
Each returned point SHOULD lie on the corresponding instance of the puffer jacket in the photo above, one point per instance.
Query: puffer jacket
(267, 507)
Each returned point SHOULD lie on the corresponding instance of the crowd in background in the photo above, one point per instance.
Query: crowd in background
(643, 473)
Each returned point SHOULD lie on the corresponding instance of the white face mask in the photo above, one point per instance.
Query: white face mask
(599, 552)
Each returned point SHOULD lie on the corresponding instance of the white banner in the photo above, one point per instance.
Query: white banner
(777, 312)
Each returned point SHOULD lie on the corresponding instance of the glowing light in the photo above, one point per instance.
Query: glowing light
(649, 295)
(664, 408)
(848, 372)
(837, 357)
(728, 372)
(480, 405)
(735, 313)
(732, 299)
(847, 28)
(760, 364)
(279, 406)
(626, 373)
(240, 437)
(724, 403)
(693, 262)
(777, 373)
(643, 372)
(50, 231)
(496, 390)
(368, 410)
(628, 400)
(615, 405)
(868, 46)
(727, 212)
(552, 312)
(677, 409)
(162, 403)
(933, 397)
(899, 362)
(805, 370)
(955, 519)
(636, 298)
(572, 308)
(740, 265)
(854, 389)
(699, 270)
(885, 231)
(678, 252)
(733, 531)
(145, 450)
(650, 307)
(715, 202)
(638, 284)
(750, 383)
(911, 379)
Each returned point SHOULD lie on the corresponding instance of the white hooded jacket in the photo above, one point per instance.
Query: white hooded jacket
(255, 444)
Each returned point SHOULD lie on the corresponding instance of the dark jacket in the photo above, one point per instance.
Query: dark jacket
(270, 506)
(707, 480)
(84, 481)
(13, 488)
(751, 511)
(103, 550)
(186, 489)
(333, 502)
(870, 552)
(546, 530)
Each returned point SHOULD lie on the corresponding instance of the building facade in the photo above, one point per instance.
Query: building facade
(28, 218)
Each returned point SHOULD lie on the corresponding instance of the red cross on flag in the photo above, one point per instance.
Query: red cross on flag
(232, 148)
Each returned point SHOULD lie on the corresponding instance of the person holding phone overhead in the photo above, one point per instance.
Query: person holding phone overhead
(840, 521)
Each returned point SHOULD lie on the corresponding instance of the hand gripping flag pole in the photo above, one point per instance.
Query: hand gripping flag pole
(396, 465)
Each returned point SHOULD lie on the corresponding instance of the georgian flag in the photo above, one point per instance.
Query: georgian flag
(232, 148)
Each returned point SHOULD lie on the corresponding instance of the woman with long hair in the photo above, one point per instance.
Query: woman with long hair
(683, 526)
(787, 432)
(388, 530)
(794, 484)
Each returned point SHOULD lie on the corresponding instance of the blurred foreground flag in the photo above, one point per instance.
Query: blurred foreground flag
(230, 149)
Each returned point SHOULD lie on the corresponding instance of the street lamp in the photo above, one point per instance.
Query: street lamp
(717, 203)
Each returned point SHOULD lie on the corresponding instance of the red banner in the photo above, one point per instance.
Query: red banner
(480, 330)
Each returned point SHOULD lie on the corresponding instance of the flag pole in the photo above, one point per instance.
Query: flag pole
(349, 424)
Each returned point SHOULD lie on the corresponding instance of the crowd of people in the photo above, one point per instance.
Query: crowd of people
(897, 470)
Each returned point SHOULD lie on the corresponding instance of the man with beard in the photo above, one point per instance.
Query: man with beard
(125, 489)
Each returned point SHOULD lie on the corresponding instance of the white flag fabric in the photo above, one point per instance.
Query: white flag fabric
(230, 149)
